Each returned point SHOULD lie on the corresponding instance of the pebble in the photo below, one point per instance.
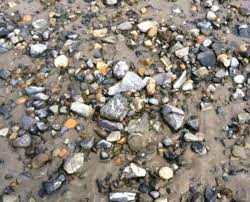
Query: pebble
(10, 198)
(145, 26)
(111, 2)
(74, 163)
(211, 16)
(181, 53)
(239, 79)
(125, 26)
(136, 142)
(99, 33)
(151, 87)
(61, 61)
(4, 132)
(166, 173)
(31, 90)
(82, 109)
(120, 69)
(189, 137)
(37, 49)
(87, 144)
(40, 160)
(207, 58)
(122, 196)
(4, 74)
(130, 82)
(115, 109)
(133, 171)
(173, 116)
(180, 81)
(50, 187)
(187, 85)
(239, 152)
(243, 117)
(23, 141)
(114, 136)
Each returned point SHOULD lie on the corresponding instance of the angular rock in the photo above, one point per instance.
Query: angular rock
(136, 142)
(207, 58)
(82, 109)
(74, 163)
(166, 173)
(122, 196)
(51, 186)
(120, 69)
(37, 49)
(173, 116)
(110, 126)
(4, 132)
(22, 142)
(133, 171)
(115, 109)
(146, 25)
(180, 81)
(125, 26)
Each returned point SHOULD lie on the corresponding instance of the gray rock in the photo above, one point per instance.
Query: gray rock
(125, 26)
(82, 109)
(122, 196)
(173, 116)
(182, 52)
(4, 132)
(140, 125)
(40, 24)
(104, 144)
(120, 69)
(180, 81)
(88, 143)
(74, 163)
(239, 152)
(136, 142)
(22, 142)
(189, 137)
(115, 109)
(130, 82)
(146, 25)
(110, 126)
(207, 58)
(114, 136)
(163, 78)
(34, 90)
(10, 198)
(7, 25)
(37, 49)
(133, 171)
(243, 117)
(4, 74)
(111, 2)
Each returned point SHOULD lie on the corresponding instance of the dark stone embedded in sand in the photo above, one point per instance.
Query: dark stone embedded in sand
(244, 30)
(87, 144)
(51, 186)
(173, 116)
(4, 74)
(110, 126)
(23, 141)
(6, 25)
(207, 58)
(115, 109)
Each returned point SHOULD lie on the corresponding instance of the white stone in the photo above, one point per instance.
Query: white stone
(211, 16)
(180, 53)
(4, 132)
(82, 109)
(146, 25)
(239, 79)
(166, 173)
(114, 136)
(188, 85)
(74, 163)
(61, 61)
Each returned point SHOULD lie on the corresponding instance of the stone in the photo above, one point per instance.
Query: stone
(151, 87)
(124, 26)
(82, 109)
(50, 187)
(122, 196)
(199, 148)
(173, 116)
(40, 160)
(163, 78)
(140, 125)
(23, 141)
(114, 136)
(31, 90)
(234, 62)
(211, 16)
(207, 58)
(88, 143)
(133, 171)
(239, 152)
(111, 2)
(37, 49)
(136, 142)
(181, 53)
(110, 126)
(120, 69)
(115, 109)
(162, 199)
(74, 163)
(10, 198)
(189, 137)
(243, 117)
(99, 33)
(239, 79)
(223, 58)
(130, 82)
(145, 26)
(61, 61)
(4, 132)
(187, 85)
(104, 144)
(40, 24)
(166, 173)
(167, 142)
(4, 74)
(180, 81)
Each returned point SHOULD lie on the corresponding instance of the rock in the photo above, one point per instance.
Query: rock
(122, 196)
(167, 142)
(188, 85)
(162, 199)
(199, 147)
(51, 186)
(239, 79)
(146, 25)
(140, 125)
(7, 25)
(181, 53)
(189, 137)
(239, 152)
(163, 78)
(154, 194)
(244, 9)
(125, 26)
(40, 160)
(82, 109)
(173, 116)
(111, 2)
(130, 82)
(211, 16)
(243, 117)
(234, 62)
(210, 194)
(151, 87)
(114, 136)
(153, 31)
(4, 74)
(223, 58)
(40, 24)
(136, 142)
(4, 132)
(120, 69)
(166, 173)
(61, 61)
(104, 155)
(31, 90)
(110, 126)
(37, 49)
(22, 142)
(133, 171)
(104, 144)
(87, 144)
(115, 109)
(74, 163)
(180, 81)
(193, 124)
(207, 58)
(99, 33)
(10, 198)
